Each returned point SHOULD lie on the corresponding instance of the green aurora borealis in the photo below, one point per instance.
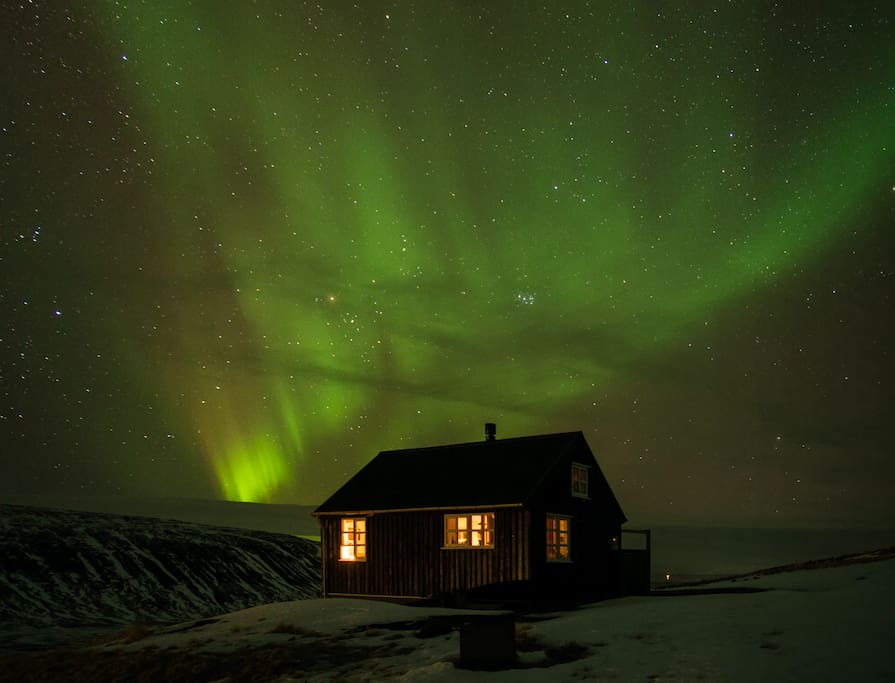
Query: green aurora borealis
(276, 238)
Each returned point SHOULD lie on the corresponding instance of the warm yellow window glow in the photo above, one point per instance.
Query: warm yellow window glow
(469, 531)
(353, 547)
(559, 530)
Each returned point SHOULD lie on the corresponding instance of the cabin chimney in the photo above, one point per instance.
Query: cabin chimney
(490, 431)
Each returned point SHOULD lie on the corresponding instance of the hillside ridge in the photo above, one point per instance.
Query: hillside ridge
(62, 569)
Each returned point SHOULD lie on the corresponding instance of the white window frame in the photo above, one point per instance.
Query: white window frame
(556, 526)
(469, 530)
(577, 490)
(353, 539)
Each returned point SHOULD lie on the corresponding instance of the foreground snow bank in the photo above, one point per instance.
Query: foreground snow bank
(832, 624)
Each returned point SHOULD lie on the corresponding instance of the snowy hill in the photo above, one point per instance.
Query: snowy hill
(295, 520)
(63, 568)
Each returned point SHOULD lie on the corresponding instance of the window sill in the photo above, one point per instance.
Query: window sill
(467, 547)
(342, 559)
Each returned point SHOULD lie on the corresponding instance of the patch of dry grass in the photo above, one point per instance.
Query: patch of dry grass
(292, 629)
(151, 665)
(526, 640)
(565, 653)
(131, 634)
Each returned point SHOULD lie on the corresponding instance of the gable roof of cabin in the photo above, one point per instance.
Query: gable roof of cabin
(480, 473)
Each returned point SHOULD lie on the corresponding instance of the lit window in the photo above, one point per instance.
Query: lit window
(354, 540)
(559, 531)
(469, 531)
(579, 480)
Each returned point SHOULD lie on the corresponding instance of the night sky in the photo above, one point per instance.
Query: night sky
(247, 245)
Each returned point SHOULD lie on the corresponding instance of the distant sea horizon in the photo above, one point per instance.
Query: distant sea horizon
(681, 553)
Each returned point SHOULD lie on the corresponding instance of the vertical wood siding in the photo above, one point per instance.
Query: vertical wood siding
(405, 556)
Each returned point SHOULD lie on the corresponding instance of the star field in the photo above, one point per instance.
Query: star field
(246, 248)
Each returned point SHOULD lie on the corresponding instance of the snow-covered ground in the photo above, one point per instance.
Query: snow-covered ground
(833, 624)
(62, 573)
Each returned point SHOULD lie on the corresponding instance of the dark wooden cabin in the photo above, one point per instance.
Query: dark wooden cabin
(523, 518)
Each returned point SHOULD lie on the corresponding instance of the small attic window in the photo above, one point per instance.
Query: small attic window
(353, 546)
(579, 480)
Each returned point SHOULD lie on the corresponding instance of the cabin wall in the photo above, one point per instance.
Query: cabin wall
(507, 562)
(405, 557)
(595, 569)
